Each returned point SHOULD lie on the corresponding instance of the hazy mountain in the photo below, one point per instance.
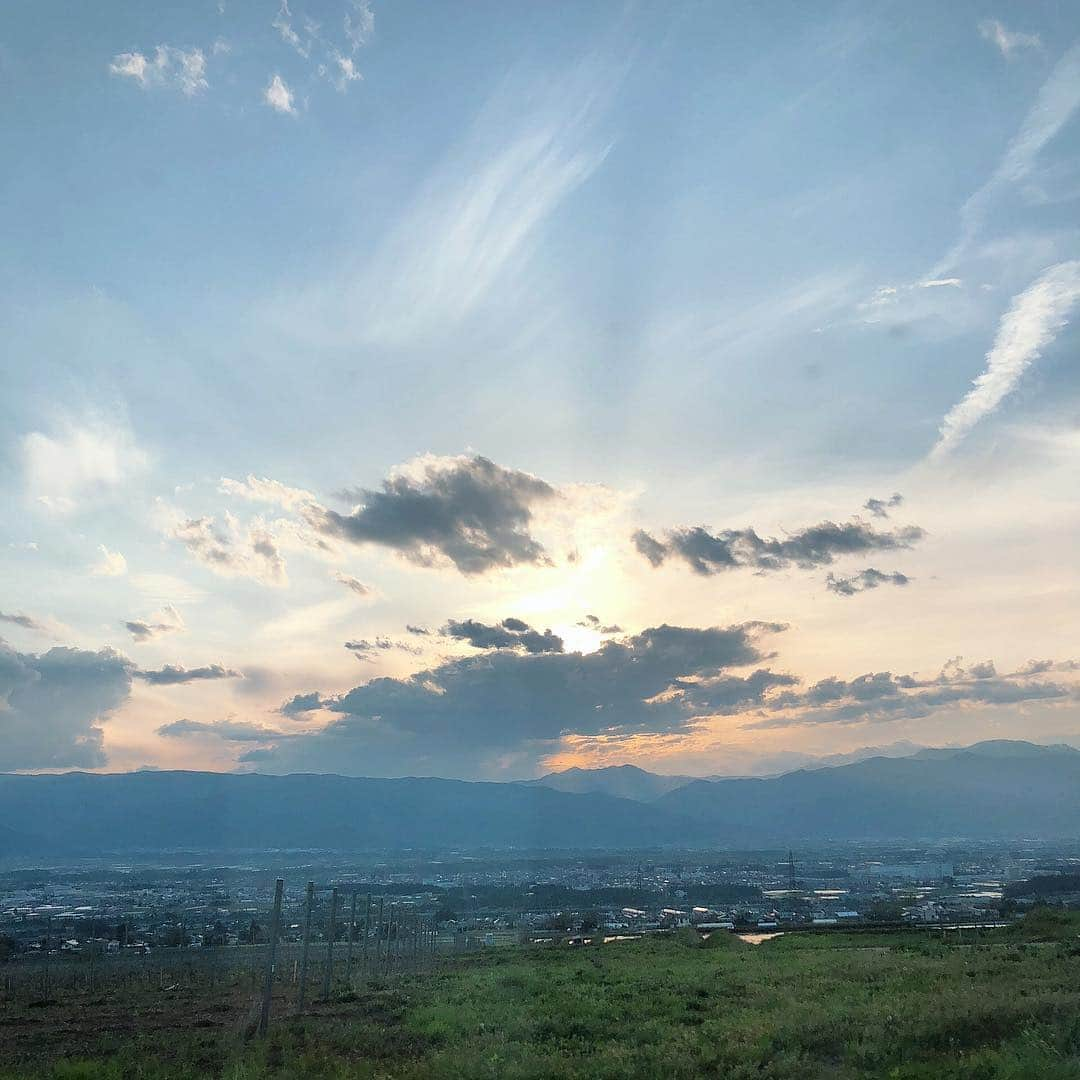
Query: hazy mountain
(1007, 748)
(81, 812)
(624, 781)
(997, 789)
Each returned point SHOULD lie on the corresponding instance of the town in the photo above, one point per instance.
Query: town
(484, 900)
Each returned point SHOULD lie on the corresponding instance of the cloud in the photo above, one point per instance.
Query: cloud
(172, 675)
(24, 621)
(167, 621)
(880, 507)
(465, 510)
(467, 713)
(359, 23)
(110, 563)
(419, 631)
(1057, 101)
(52, 706)
(81, 460)
(592, 622)
(229, 730)
(230, 549)
(279, 97)
(711, 553)
(864, 580)
(1030, 324)
(477, 218)
(364, 649)
(881, 697)
(334, 54)
(169, 67)
(263, 489)
(509, 634)
(1040, 667)
(354, 585)
(1007, 41)
(303, 703)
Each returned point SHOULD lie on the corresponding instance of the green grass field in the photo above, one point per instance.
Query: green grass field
(904, 1006)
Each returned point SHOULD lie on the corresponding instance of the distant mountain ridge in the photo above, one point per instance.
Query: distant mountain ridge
(998, 789)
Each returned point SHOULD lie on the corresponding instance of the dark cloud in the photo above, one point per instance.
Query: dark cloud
(592, 622)
(303, 703)
(881, 697)
(509, 634)
(354, 585)
(420, 631)
(52, 705)
(818, 545)
(171, 674)
(365, 649)
(870, 578)
(143, 630)
(881, 507)
(229, 730)
(468, 716)
(470, 511)
(25, 621)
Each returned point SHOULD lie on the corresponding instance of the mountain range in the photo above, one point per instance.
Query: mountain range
(999, 789)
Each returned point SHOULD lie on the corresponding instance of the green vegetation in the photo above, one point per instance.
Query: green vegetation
(903, 1006)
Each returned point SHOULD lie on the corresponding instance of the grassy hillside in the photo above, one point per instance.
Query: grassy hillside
(906, 1007)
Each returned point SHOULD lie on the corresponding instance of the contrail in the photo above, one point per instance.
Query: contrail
(1030, 324)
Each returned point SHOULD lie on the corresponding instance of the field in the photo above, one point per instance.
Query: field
(903, 1006)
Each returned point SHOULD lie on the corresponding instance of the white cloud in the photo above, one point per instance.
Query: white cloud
(283, 25)
(110, 564)
(359, 23)
(481, 212)
(79, 461)
(1008, 41)
(1058, 100)
(1030, 324)
(169, 67)
(263, 489)
(279, 97)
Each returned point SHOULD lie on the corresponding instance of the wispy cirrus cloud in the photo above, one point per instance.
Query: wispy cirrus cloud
(1056, 104)
(1008, 41)
(1030, 324)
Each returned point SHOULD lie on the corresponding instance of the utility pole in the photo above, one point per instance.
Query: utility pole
(306, 948)
(271, 957)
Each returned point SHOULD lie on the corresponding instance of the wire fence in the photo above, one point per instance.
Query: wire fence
(347, 936)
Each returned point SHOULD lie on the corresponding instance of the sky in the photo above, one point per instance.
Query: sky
(477, 389)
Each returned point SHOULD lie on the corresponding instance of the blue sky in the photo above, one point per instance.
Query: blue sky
(718, 267)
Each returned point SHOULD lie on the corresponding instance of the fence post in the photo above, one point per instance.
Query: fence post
(328, 974)
(367, 930)
(305, 949)
(352, 934)
(378, 935)
(275, 930)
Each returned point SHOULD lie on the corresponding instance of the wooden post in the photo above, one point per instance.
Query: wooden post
(275, 930)
(352, 934)
(378, 934)
(328, 974)
(367, 930)
(305, 949)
